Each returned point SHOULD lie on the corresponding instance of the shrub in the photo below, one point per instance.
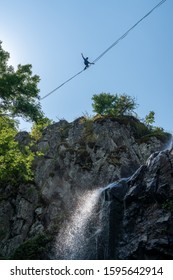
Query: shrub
(15, 166)
(37, 128)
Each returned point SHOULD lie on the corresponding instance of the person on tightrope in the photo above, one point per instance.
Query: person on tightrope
(86, 62)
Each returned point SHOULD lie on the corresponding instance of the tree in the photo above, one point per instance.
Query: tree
(15, 165)
(150, 119)
(103, 103)
(18, 90)
(18, 98)
(113, 105)
(37, 128)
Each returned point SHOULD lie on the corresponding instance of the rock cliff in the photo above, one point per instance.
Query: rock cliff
(141, 208)
(85, 155)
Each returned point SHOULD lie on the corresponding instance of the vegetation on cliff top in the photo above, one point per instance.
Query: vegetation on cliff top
(121, 108)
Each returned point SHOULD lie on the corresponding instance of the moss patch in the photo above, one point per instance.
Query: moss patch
(83, 158)
(32, 249)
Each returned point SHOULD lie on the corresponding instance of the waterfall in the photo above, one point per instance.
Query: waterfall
(93, 226)
(169, 145)
(75, 236)
(90, 231)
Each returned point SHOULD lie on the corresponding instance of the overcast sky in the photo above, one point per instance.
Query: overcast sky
(51, 35)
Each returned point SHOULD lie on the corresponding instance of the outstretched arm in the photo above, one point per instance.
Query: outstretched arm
(82, 56)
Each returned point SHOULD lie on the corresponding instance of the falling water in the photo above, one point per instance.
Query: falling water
(74, 237)
(170, 146)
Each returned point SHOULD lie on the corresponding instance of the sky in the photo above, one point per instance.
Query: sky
(51, 35)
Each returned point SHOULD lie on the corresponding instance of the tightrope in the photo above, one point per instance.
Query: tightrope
(108, 49)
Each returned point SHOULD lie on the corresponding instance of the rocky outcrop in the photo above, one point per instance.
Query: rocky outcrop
(78, 156)
(17, 207)
(145, 229)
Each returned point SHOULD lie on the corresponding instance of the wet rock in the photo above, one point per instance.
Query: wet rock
(147, 221)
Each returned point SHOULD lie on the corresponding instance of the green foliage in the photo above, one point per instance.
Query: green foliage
(149, 119)
(160, 133)
(15, 165)
(18, 90)
(140, 129)
(103, 103)
(18, 98)
(37, 128)
(86, 117)
(113, 105)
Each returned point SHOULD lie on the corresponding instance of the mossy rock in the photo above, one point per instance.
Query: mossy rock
(114, 161)
(115, 156)
(32, 249)
(83, 158)
(64, 130)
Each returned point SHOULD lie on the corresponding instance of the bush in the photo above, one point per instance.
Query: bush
(15, 163)
(37, 128)
(149, 119)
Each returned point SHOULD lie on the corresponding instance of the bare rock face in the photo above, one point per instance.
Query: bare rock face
(16, 216)
(88, 155)
(84, 155)
(150, 203)
(146, 224)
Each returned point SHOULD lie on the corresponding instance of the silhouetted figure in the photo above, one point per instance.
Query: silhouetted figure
(86, 62)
